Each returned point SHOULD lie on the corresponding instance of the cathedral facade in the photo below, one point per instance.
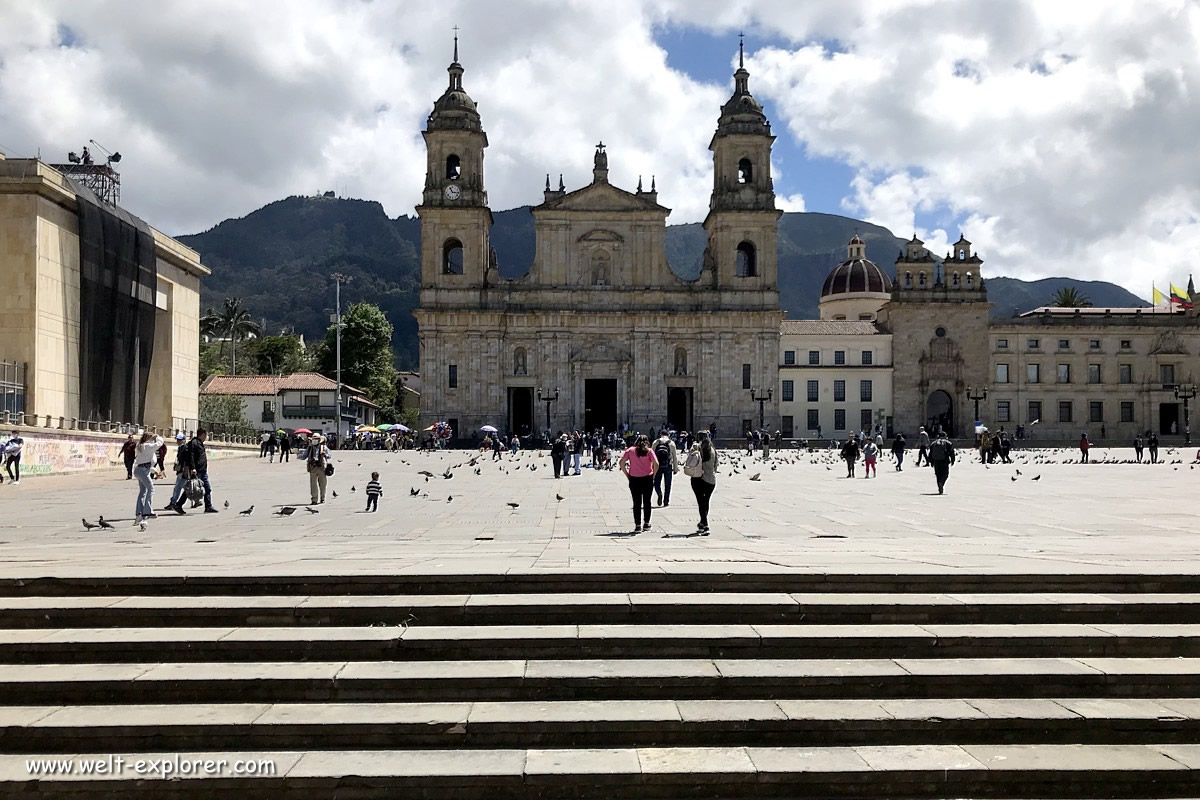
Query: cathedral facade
(600, 331)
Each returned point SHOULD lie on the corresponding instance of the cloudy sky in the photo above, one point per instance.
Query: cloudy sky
(1059, 135)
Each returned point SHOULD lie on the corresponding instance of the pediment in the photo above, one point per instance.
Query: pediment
(599, 352)
(1168, 343)
(601, 235)
(603, 197)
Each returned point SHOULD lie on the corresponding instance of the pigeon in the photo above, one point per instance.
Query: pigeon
(335, 493)
(478, 471)
(88, 525)
(352, 489)
(104, 525)
(227, 504)
(286, 511)
(447, 475)
(1018, 472)
(558, 497)
(426, 473)
(1038, 478)
(755, 477)
(514, 505)
(311, 510)
(413, 492)
(448, 499)
(1013, 478)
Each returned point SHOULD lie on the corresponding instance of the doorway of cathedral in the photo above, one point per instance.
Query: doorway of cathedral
(679, 408)
(520, 410)
(1168, 419)
(939, 413)
(600, 404)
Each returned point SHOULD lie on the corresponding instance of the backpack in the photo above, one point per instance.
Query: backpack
(938, 451)
(694, 466)
(662, 451)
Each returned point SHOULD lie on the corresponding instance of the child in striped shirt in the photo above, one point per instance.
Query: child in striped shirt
(374, 489)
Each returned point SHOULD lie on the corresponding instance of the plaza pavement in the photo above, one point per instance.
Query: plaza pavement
(800, 515)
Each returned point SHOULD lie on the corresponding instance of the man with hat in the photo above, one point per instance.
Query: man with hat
(316, 460)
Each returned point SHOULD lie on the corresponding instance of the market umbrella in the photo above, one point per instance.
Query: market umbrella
(402, 428)
(302, 430)
(387, 426)
(367, 429)
(488, 429)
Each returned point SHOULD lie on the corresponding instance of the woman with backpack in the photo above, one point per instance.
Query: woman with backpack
(640, 465)
(668, 465)
(701, 467)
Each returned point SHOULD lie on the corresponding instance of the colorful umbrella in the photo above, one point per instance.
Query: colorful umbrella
(488, 429)
(302, 430)
(387, 426)
(402, 428)
(367, 429)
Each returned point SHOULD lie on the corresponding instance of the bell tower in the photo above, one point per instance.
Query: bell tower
(742, 218)
(455, 217)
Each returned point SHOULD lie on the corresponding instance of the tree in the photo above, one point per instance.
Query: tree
(1070, 297)
(278, 354)
(367, 360)
(233, 322)
(225, 409)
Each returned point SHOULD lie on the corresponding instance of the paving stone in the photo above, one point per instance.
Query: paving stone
(365, 713)
(575, 711)
(919, 757)
(1143, 666)
(140, 635)
(243, 671)
(13, 768)
(1072, 757)
(475, 765)
(208, 602)
(726, 633)
(730, 600)
(21, 716)
(71, 673)
(833, 709)
(841, 632)
(775, 762)
(931, 709)
(870, 601)
(806, 668)
(425, 670)
(1186, 754)
(1186, 706)
(729, 710)
(1021, 708)
(385, 601)
(617, 599)
(453, 633)
(715, 764)
(150, 715)
(1113, 708)
(597, 764)
(314, 633)
(1030, 631)
(1157, 631)
(997, 666)
(623, 668)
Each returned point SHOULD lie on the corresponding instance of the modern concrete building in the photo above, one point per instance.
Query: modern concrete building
(98, 311)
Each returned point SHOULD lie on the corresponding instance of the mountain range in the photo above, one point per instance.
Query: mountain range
(278, 260)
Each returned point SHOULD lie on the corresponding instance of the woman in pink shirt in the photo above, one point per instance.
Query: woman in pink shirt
(639, 465)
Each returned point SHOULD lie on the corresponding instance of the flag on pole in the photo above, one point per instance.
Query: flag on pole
(1159, 298)
(1180, 297)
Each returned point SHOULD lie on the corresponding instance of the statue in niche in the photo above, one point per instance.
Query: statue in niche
(680, 361)
(601, 263)
(519, 363)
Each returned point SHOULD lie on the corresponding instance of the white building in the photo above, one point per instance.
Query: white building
(300, 400)
(835, 373)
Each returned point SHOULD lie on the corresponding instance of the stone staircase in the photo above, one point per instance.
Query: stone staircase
(608, 685)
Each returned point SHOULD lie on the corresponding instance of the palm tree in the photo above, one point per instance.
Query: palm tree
(232, 323)
(1070, 297)
(210, 324)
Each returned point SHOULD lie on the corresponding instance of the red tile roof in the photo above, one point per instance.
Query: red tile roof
(268, 384)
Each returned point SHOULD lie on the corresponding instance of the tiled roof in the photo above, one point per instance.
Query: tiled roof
(267, 384)
(363, 401)
(826, 327)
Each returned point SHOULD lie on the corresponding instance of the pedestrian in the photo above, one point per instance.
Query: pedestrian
(749, 443)
(668, 464)
(558, 454)
(1152, 446)
(262, 444)
(1138, 447)
(870, 453)
(374, 492)
(898, 451)
(576, 450)
(497, 453)
(147, 454)
(922, 447)
(850, 454)
(285, 446)
(985, 447)
(1084, 446)
(128, 453)
(12, 457)
(941, 456)
(193, 459)
(181, 477)
(272, 446)
(1004, 446)
(316, 463)
(701, 467)
(640, 465)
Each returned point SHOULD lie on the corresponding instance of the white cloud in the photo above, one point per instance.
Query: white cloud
(1059, 135)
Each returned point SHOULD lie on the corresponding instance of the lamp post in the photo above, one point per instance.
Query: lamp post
(547, 398)
(976, 395)
(760, 399)
(338, 280)
(1185, 392)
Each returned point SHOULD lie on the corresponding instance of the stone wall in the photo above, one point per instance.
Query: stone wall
(49, 452)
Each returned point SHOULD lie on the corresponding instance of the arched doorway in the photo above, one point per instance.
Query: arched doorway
(939, 413)
(679, 408)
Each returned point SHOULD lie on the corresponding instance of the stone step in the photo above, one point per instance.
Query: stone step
(40, 645)
(752, 577)
(670, 608)
(153, 682)
(985, 770)
(611, 723)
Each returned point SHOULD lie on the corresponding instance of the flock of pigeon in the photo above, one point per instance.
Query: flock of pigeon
(733, 462)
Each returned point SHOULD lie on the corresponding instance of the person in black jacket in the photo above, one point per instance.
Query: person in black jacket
(193, 463)
(558, 453)
(850, 454)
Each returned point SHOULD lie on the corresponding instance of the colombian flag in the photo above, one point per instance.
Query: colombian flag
(1180, 296)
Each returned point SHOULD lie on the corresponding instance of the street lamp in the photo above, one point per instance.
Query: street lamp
(1185, 392)
(339, 279)
(760, 399)
(547, 398)
(976, 395)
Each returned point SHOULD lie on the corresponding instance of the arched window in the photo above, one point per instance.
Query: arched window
(921, 280)
(601, 268)
(520, 364)
(680, 361)
(962, 255)
(954, 281)
(453, 167)
(908, 280)
(970, 280)
(747, 263)
(745, 171)
(452, 257)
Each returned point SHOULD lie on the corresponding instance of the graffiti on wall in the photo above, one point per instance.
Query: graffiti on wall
(53, 453)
